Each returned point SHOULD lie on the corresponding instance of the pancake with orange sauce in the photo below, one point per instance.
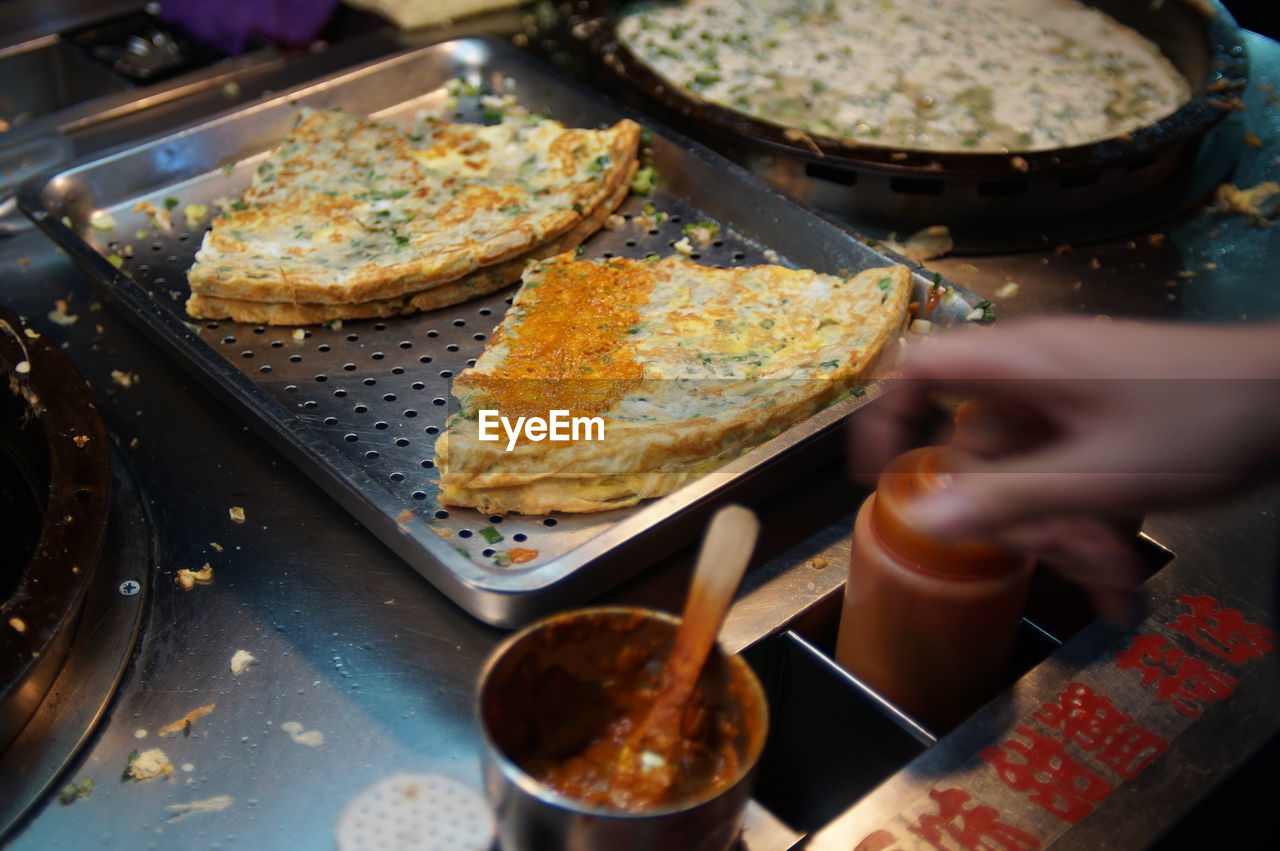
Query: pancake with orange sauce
(687, 366)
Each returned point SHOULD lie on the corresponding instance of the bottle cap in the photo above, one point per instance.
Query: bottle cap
(911, 476)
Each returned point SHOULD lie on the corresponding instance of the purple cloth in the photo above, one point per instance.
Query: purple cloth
(228, 24)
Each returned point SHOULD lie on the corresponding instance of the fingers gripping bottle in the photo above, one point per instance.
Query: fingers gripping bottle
(929, 625)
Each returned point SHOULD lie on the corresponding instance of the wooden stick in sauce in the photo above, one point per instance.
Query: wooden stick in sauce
(647, 763)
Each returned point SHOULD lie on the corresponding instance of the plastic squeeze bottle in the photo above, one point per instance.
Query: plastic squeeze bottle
(929, 625)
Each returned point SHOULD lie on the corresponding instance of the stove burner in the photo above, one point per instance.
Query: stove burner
(33, 764)
(56, 462)
(21, 507)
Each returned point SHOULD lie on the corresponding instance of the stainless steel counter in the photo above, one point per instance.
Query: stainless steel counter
(352, 643)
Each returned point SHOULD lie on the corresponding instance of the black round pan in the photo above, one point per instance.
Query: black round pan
(986, 198)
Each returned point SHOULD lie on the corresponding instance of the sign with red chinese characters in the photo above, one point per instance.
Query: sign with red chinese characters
(1056, 764)
(956, 821)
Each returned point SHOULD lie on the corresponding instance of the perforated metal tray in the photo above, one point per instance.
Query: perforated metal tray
(359, 407)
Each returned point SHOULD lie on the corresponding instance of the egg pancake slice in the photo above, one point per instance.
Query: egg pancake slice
(349, 210)
(483, 281)
(686, 366)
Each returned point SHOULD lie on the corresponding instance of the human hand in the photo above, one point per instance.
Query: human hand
(1082, 426)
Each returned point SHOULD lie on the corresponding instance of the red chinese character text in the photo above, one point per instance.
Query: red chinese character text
(1091, 721)
(1058, 782)
(1223, 632)
(1180, 679)
(971, 828)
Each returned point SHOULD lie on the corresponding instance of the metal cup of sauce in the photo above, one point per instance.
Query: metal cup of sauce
(556, 696)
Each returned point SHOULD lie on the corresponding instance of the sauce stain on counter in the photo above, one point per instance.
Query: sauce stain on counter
(183, 724)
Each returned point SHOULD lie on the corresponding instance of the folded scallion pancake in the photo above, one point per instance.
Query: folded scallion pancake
(687, 366)
(478, 283)
(352, 211)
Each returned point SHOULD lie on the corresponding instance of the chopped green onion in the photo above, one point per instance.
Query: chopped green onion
(127, 774)
(72, 792)
(643, 181)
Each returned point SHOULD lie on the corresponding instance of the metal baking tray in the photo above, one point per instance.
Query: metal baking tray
(359, 407)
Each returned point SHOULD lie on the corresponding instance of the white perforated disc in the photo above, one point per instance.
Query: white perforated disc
(416, 812)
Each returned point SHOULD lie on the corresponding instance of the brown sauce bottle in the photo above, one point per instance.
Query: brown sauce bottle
(929, 625)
